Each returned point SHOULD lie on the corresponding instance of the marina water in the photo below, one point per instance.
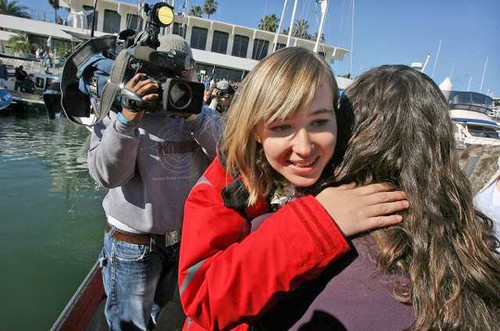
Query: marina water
(51, 219)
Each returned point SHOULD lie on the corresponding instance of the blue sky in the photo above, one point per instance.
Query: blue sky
(390, 32)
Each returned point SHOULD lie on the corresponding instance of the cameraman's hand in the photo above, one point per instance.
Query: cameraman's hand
(359, 209)
(147, 89)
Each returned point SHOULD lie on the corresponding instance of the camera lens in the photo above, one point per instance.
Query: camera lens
(180, 95)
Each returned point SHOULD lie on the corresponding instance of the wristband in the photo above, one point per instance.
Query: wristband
(123, 120)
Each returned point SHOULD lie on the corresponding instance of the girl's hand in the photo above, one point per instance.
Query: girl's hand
(359, 209)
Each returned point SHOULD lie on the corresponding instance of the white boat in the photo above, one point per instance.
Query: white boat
(471, 114)
(28, 97)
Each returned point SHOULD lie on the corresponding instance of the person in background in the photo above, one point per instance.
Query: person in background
(482, 164)
(438, 269)
(47, 61)
(39, 54)
(148, 161)
(4, 76)
(278, 145)
(219, 98)
(21, 77)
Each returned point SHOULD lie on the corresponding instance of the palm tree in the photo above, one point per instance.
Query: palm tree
(19, 43)
(301, 29)
(55, 5)
(269, 23)
(315, 36)
(13, 9)
(209, 7)
(196, 11)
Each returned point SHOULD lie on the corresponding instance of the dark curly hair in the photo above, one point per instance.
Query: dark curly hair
(394, 126)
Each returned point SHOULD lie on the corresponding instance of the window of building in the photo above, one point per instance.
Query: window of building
(260, 48)
(89, 13)
(280, 46)
(221, 73)
(111, 22)
(199, 37)
(240, 46)
(134, 22)
(179, 29)
(219, 42)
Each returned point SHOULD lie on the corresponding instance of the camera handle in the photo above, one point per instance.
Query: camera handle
(133, 102)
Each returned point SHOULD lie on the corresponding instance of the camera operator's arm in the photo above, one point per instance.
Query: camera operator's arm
(206, 129)
(115, 140)
(205, 126)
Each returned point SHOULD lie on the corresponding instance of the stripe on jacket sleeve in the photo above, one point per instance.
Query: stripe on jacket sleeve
(191, 272)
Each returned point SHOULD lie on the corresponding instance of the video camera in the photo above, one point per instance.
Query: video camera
(94, 75)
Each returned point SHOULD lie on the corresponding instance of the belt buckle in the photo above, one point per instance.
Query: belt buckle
(172, 237)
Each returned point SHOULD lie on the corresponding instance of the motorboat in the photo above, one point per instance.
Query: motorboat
(471, 113)
(28, 97)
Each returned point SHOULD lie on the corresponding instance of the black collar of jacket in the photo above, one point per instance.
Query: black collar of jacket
(235, 195)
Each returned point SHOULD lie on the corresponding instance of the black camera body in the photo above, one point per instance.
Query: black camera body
(177, 94)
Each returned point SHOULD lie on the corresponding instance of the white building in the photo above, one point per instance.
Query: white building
(220, 49)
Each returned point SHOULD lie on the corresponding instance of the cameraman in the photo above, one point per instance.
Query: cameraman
(149, 161)
(219, 98)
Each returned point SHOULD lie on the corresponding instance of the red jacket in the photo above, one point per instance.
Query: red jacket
(228, 275)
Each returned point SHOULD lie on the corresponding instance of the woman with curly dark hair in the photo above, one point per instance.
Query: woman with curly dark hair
(401, 132)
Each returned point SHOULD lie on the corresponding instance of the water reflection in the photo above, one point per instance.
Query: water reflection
(59, 145)
(51, 218)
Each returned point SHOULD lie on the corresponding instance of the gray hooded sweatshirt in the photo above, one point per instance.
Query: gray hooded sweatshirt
(150, 168)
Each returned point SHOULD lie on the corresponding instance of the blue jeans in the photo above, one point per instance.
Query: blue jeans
(139, 280)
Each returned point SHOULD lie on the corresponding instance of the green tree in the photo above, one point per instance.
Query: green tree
(209, 7)
(19, 43)
(269, 23)
(315, 36)
(300, 29)
(13, 9)
(54, 4)
(196, 11)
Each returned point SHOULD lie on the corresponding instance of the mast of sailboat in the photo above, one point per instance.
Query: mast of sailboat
(289, 40)
(93, 19)
(437, 56)
(279, 27)
(484, 73)
(470, 81)
(352, 40)
(324, 9)
(426, 62)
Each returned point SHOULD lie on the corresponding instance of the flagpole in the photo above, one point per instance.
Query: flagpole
(324, 9)
(93, 19)
(289, 40)
(279, 27)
